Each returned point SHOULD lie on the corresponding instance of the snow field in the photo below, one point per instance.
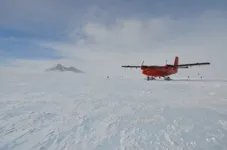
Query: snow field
(68, 111)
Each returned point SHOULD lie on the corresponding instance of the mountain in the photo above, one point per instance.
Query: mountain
(62, 68)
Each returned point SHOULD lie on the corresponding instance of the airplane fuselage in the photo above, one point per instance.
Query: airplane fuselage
(159, 71)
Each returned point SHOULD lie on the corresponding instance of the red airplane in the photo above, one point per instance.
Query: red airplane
(164, 71)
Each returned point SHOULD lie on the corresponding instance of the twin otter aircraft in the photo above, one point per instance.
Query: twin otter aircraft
(164, 71)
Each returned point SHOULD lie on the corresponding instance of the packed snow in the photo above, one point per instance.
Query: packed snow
(66, 111)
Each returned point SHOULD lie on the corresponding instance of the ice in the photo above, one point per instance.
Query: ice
(72, 111)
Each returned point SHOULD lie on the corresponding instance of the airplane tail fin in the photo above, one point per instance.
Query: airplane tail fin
(176, 62)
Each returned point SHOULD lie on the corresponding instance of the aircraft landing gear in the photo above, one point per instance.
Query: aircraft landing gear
(167, 78)
(150, 78)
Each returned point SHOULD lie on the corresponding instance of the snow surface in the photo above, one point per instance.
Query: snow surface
(64, 111)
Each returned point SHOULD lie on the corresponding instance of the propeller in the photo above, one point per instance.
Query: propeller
(142, 63)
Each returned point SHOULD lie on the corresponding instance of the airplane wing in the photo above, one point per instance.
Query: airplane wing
(128, 66)
(193, 64)
(190, 65)
(179, 66)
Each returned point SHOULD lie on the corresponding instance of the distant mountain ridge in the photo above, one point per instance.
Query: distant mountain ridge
(60, 67)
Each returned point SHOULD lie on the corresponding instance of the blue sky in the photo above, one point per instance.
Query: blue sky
(25, 26)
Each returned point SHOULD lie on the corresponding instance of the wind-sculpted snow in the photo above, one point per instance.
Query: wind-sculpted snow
(57, 112)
